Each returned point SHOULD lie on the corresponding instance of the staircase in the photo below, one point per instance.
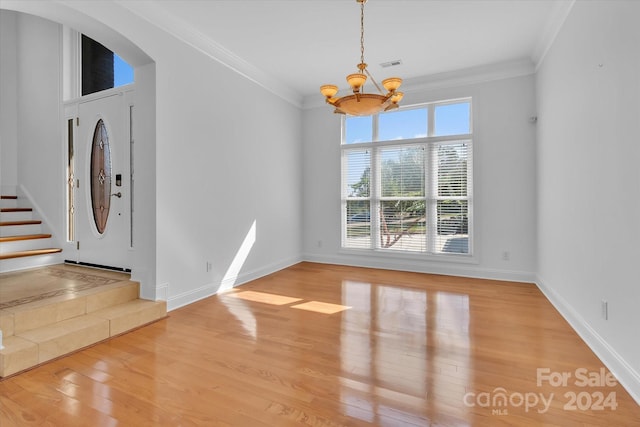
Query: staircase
(45, 329)
(22, 241)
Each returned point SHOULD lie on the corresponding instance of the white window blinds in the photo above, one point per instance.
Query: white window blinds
(411, 192)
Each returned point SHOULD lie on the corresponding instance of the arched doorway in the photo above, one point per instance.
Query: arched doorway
(53, 185)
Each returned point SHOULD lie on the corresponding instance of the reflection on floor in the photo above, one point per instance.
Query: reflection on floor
(333, 346)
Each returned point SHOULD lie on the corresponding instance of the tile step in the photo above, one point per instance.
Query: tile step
(30, 348)
(35, 313)
(132, 314)
(69, 335)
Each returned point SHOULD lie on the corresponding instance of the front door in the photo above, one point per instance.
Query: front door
(102, 196)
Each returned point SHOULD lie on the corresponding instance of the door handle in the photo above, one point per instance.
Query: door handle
(118, 194)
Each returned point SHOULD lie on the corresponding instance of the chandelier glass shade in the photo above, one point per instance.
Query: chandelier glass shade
(361, 103)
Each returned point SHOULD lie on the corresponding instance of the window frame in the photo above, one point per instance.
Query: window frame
(431, 197)
(72, 64)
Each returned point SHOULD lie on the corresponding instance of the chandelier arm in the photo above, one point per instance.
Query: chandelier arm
(374, 81)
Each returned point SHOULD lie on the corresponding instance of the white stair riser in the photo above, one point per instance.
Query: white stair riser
(20, 230)
(14, 264)
(25, 245)
(8, 203)
(16, 216)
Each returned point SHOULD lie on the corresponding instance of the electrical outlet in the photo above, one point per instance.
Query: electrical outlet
(209, 266)
(604, 309)
(506, 256)
(319, 243)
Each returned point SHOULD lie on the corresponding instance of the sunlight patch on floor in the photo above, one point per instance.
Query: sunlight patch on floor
(321, 307)
(264, 297)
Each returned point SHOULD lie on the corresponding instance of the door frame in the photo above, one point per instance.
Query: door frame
(71, 110)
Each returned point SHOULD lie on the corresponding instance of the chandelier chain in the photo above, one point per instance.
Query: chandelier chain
(362, 32)
(362, 103)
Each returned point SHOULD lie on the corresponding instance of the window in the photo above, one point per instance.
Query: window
(101, 68)
(406, 180)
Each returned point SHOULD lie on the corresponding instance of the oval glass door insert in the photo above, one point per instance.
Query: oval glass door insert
(100, 176)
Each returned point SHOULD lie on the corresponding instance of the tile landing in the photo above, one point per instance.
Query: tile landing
(51, 311)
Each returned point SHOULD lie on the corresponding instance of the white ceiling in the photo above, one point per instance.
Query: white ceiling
(303, 44)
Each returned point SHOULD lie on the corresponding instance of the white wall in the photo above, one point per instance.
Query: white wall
(8, 102)
(227, 156)
(588, 89)
(40, 154)
(504, 184)
(144, 154)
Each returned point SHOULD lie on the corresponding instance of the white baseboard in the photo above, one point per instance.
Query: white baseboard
(210, 289)
(628, 377)
(447, 269)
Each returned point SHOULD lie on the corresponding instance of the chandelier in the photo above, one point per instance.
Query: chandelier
(360, 103)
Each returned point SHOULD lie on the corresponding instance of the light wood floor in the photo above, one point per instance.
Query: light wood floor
(321, 345)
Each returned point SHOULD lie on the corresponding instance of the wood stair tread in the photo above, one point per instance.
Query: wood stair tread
(24, 237)
(34, 252)
(26, 222)
(7, 210)
(8, 197)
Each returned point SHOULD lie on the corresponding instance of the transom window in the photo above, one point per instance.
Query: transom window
(90, 67)
(406, 180)
(101, 68)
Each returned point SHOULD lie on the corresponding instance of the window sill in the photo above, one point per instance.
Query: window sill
(409, 256)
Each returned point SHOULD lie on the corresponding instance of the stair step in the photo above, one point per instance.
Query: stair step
(16, 216)
(67, 336)
(24, 237)
(33, 252)
(51, 329)
(15, 244)
(120, 293)
(20, 230)
(132, 314)
(8, 197)
(8, 203)
(18, 354)
(6, 210)
(35, 313)
(26, 222)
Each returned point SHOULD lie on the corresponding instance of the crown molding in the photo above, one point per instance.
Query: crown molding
(181, 30)
(463, 77)
(556, 20)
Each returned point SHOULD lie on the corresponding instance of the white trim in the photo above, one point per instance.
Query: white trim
(186, 33)
(459, 269)
(120, 90)
(211, 289)
(557, 18)
(628, 377)
(456, 78)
